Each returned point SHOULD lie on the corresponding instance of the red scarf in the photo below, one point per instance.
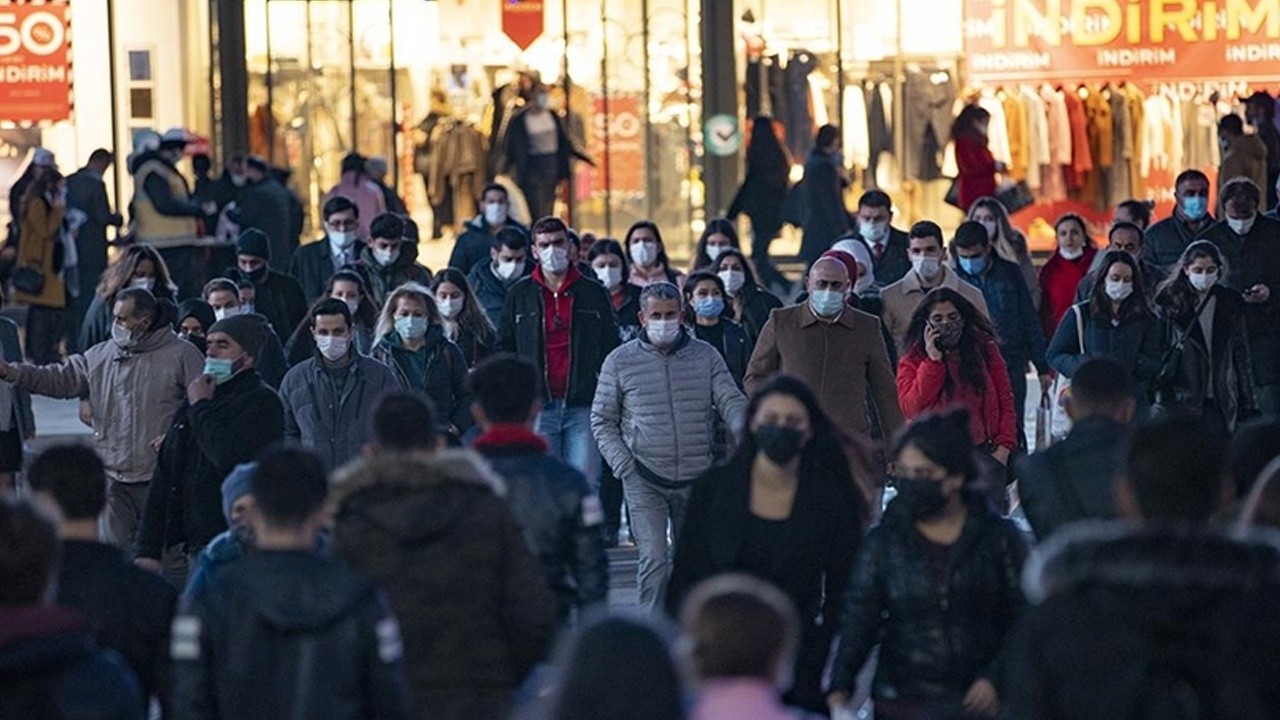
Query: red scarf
(506, 436)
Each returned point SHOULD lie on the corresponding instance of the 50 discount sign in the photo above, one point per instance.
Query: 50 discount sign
(35, 62)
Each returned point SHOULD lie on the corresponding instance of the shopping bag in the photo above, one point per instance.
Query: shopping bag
(1015, 197)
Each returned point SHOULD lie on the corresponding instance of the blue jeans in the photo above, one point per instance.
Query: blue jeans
(651, 507)
(568, 432)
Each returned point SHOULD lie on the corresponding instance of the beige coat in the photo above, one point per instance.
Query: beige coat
(133, 394)
(903, 297)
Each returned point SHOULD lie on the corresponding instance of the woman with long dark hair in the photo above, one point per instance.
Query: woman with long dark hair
(621, 669)
(648, 254)
(718, 237)
(1060, 277)
(749, 303)
(349, 287)
(1118, 324)
(707, 312)
(44, 205)
(1206, 369)
(785, 509)
(764, 188)
(463, 319)
(951, 358)
(977, 166)
(609, 262)
(937, 585)
(138, 266)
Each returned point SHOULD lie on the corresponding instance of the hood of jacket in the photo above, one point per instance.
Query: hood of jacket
(1180, 567)
(294, 590)
(36, 639)
(414, 496)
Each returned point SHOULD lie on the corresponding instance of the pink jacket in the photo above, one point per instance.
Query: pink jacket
(740, 699)
(365, 194)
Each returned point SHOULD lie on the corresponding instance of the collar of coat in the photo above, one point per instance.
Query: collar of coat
(419, 469)
(1118, 554)
(808, 317)
(910, 282)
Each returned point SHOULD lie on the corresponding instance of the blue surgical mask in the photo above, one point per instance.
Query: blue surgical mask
(709, 307)
(973, 265)
(410, 327)
(1195, 207)
(219, 369)
(826, 303)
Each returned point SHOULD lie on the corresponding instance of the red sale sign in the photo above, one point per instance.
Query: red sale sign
(522, 21)
(35, 62)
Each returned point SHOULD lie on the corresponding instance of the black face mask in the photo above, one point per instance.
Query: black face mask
(257, 276)
(199, 342)
(949, 334)
(921, 497)
(779, 444)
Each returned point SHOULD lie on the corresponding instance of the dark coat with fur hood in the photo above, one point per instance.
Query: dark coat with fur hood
(434, 531)
(1150, 622)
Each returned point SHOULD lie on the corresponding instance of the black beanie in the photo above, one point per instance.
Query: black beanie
(254, 242)
(249, 332)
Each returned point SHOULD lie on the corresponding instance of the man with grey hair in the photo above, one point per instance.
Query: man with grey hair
(376, 168)
(652, 418)
(135, 383)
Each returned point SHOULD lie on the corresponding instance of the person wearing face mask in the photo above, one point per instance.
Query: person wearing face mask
(314, 263)
(1125, 237)
(763, 193)
(1118, 324)
(1243, 156)
(275, 296)
(508, 261)
(478, 235)
(1062, 274)
(223, 297)
(87, 204)
(841, 353)
(134, 383)
(937, 585)
(1166, 239)
(648, 254)
(357, 187)
(539, 151)
(386, 262)
(265, 204)
(749, 303)
(928, 271)
(783, 509)
(138, 266)
(707, 314)
(650, 418)
(410, 340)
(1250, 244)
(347, 286)
(977, 166)
(1206, 369)
(888, 245)
(612, 268)
(326, 398)
(719, 237)
(192, 322)
(824, 217)
(464, 321)
(1009, 242)
(1021, 338)
(229, 417)
(564, 324)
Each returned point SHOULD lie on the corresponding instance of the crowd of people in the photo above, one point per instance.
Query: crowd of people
(330, 483)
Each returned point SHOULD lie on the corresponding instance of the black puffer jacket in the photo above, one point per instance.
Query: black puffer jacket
(1153, 622)
(935, 638)
(287, 634)
(435, 533)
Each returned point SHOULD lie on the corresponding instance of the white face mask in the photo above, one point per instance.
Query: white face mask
(610, 276)
(342, 239)
(122, 336)
(449, 307)
(1118, 290)
(733, 280)
(352, 305)
(385, 257)
(333, 348)
(925, 266)
(144, 283)
(715, 251)
(1070, 253)
(1241, 227)
(1203, 281)
(644, 253)
(991, 226)
(224, 313)
(662, 332)
(554, 259)
(508, 269)
(873, 232)
(495, 213)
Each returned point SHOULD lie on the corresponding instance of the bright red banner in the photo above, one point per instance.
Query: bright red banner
(522, 21)
(1116, 40)
(35, 62)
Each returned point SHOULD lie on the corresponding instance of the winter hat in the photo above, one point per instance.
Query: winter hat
(198, 309)
(249, 331)
(254, 242)
(238, 484)
(858, 251)
(43, 157)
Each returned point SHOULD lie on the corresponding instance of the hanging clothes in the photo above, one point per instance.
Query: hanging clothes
(856, 126)
(1081, 158)
(1054, 180)
(1100, 131)
(799, 122)
(880, 132)
(1118, 189)
(1136, 102)
(1157, 133)
(1037, 136)
(1015, 117)
(765, 87)
(458, 161)
(930, 93)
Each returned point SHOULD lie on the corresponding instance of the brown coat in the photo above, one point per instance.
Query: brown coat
(901, 299)
(41, 228)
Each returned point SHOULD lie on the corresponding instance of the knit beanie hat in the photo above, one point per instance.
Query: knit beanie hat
(254, 242)
(238, 484)
(249, 331)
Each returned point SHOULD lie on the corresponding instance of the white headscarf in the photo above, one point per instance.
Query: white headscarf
(862, 256)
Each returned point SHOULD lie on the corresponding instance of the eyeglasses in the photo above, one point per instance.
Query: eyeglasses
(344, 225)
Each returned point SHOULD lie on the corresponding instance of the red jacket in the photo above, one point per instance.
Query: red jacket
(977, 170)
(1059, 279)
(922, 388)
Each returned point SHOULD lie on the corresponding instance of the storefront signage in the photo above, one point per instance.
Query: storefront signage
(522, 21)
(35, 62)
(1115, 40)
(616, 141)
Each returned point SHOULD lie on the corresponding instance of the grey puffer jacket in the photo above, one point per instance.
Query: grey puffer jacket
(654, 411)
(332, 422)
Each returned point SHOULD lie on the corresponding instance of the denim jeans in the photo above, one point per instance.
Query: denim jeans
(568, 432)
(651, 507)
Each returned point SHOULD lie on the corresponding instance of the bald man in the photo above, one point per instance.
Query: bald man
(841, 354)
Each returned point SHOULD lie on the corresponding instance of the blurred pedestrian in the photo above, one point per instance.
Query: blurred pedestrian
(192, 323)
(377, 169)
(605, 665)
(825, 217)
(356, 186)
(264, 205)
(1008, 241)
(89, 214)
(763, 191)
(976, 166)
(718, 236)
(17, 421)
(38, 278)
(163, 212)
(1134, 212)
(613, 270)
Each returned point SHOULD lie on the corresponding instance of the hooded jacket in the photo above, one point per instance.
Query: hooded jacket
(436, 533)
(287, 634)
(1149, 622)
(383, 279)
(133, 394)
(472, 246)
(50, 669)
(490, 289)
(331, 421)
(444, 373)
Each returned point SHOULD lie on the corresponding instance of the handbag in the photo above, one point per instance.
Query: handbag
(952, 197)
(1015, 197)
(28, 280)
(1171, 363)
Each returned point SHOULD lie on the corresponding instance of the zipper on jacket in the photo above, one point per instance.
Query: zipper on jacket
(671, 404)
